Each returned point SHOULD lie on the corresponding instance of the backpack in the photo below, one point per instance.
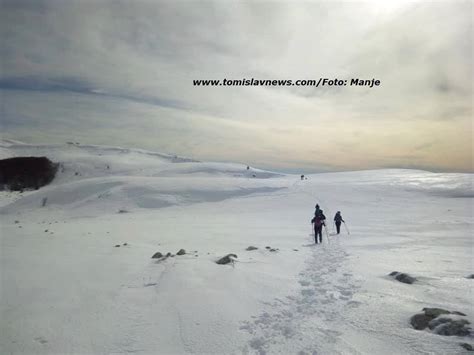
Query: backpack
(318, 221)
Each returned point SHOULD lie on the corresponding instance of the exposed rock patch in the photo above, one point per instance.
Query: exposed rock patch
(442, 322)
(229, 258)
(449, 326)
(402, 277)
(467, 346)
(420, 321)
(435, 312)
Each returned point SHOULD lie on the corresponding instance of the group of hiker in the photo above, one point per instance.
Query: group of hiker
(318, 222)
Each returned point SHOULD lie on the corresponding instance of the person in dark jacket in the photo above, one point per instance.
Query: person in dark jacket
(338, 220)
(318, 222)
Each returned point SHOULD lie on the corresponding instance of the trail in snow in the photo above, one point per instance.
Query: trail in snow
(306, 323)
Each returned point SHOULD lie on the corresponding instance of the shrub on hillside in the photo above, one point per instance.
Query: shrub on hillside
(21, 173)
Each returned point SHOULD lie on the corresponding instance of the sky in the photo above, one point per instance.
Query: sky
(121, 73)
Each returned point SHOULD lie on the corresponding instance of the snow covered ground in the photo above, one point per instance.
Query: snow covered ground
(66, 288)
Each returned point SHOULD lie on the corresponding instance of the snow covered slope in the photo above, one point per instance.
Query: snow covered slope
(94, 180)
(67, 288)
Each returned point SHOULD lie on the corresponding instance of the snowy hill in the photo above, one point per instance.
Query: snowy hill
(78, 277)
(99, 179)
(93, 161)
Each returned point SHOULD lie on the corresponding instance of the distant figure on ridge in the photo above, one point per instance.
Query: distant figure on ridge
(338, 219)
(318, 222)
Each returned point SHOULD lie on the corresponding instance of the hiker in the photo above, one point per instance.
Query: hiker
(338, 219)
(316, 211)
(318, 222)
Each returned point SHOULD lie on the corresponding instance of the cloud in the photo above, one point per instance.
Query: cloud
(75, 85)
(121, 72)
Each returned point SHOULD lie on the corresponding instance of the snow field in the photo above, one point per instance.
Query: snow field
(70, 290)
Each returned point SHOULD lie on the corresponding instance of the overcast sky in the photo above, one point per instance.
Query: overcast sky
(120, 73)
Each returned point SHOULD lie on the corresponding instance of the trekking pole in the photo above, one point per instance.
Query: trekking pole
(347, 229)
(327, 234)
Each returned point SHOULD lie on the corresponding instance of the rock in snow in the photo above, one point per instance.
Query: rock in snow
(449, 327)
(157, 255)
(435, 312)
(420, 321)
(226, 259)
(402, 277)
(441, 322)
(458, 313)
(467, 346)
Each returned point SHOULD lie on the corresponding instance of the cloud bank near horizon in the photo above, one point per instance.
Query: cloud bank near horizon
(120, 73)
